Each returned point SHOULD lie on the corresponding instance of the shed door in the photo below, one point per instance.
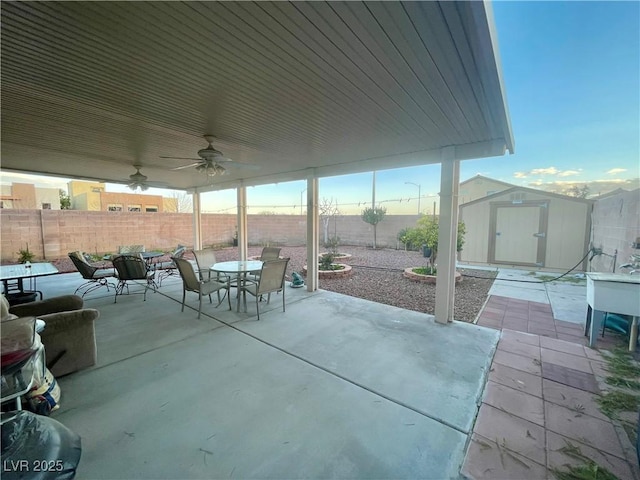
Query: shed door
(520, 236)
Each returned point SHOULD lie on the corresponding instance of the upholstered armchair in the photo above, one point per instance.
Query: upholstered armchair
(69, 335)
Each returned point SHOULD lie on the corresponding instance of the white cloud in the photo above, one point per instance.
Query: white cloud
(568, 173)
(615, 171)
(544, 171)
(547, 171)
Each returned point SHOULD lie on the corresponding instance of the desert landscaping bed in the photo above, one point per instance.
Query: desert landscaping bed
(377, 276)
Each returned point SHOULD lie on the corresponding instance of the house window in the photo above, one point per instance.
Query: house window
(134, 208)
(1, 204)
(46, 206)
(114, 207)
(96, 189)
(151, 208)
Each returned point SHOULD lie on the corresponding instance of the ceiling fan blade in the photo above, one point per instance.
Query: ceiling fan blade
(182, 158)
(195, 164)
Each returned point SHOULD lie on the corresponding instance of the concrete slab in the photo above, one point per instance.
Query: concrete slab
(224, 405)
(383, 347)
(528, 293)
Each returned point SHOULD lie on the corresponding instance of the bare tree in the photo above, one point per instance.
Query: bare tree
(579, 192)
(328, 209)
(182, 203)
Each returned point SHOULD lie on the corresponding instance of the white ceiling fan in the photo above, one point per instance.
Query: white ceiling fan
(211, 161)
(139, 181)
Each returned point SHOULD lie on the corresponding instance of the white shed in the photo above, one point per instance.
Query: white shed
(526, 227)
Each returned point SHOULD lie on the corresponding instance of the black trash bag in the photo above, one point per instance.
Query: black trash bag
(38, 448)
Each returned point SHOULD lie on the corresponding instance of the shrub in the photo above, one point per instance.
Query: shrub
(25, 255)
(426, 233)
(325, 261)
(332, 245)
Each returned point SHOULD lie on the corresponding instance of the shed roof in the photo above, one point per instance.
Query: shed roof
(509, 191)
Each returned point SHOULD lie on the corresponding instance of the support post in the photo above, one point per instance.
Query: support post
(197, 221)
(447, 236)
(313, 234)
(242, 222)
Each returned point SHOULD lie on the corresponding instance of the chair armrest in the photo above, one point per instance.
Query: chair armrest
(62, 303)
(66, 320)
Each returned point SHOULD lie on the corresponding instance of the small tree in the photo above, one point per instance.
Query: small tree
(373, 216)
(65, 200)
(426, 233)
(327, 210)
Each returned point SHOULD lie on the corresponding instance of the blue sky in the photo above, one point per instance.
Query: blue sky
(572, 77)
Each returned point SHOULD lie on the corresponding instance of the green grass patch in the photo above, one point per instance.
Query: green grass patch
(614, 402)
(589, 470)
(622, 382)
(548, 278)
(425, 270)
(621, 364)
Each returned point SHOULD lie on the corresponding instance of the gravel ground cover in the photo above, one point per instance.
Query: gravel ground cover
(377, 276)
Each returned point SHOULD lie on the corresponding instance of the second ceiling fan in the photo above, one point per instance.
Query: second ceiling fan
(211, 162)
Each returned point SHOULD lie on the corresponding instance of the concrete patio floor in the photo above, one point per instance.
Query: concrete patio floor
(335, 387)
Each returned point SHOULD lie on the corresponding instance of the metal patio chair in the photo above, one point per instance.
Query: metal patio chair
(96, 276)
(167, 269)
(191, 283)
(132, 267)
(271, 280)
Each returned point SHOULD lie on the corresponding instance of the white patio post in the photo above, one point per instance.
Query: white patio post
(313, 234)
(447, 235)
(197, 222)
(242, 222)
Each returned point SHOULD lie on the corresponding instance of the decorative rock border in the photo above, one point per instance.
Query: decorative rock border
(340, 256)
(345, 272)
(416, 277)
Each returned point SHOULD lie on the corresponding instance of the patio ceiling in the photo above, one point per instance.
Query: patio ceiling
(311, 88)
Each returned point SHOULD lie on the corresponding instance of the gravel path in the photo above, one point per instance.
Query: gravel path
(377, 276)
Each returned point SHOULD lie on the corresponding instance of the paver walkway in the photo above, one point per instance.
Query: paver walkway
(539, 400)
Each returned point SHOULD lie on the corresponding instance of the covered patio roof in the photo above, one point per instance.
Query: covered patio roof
(299, 89)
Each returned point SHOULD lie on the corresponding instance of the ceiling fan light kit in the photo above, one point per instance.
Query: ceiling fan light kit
(211, 169)
(210, 160)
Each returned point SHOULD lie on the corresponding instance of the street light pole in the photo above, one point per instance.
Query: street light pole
(419, 190)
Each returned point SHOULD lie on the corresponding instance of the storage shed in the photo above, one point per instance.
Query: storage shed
(528, 228)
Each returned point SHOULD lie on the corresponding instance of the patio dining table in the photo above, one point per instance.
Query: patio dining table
(21, 272)
(239, 267)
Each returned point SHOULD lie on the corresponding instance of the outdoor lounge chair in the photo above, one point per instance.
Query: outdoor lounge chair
(271, 280)
(191, 283)
(96, 276)
(132, 267)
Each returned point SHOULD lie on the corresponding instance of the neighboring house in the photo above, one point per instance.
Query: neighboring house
(524, 227)
(27, 195)
(93, 197)
(480, 186)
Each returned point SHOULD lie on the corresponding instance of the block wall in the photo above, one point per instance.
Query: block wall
(51, 234)
(615, 227)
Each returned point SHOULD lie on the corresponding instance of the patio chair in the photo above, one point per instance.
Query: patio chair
(96, 276)
(271, 280)
(132, 267)
(191, 283)
(167, 269)
(205, 258)
(131, 249)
